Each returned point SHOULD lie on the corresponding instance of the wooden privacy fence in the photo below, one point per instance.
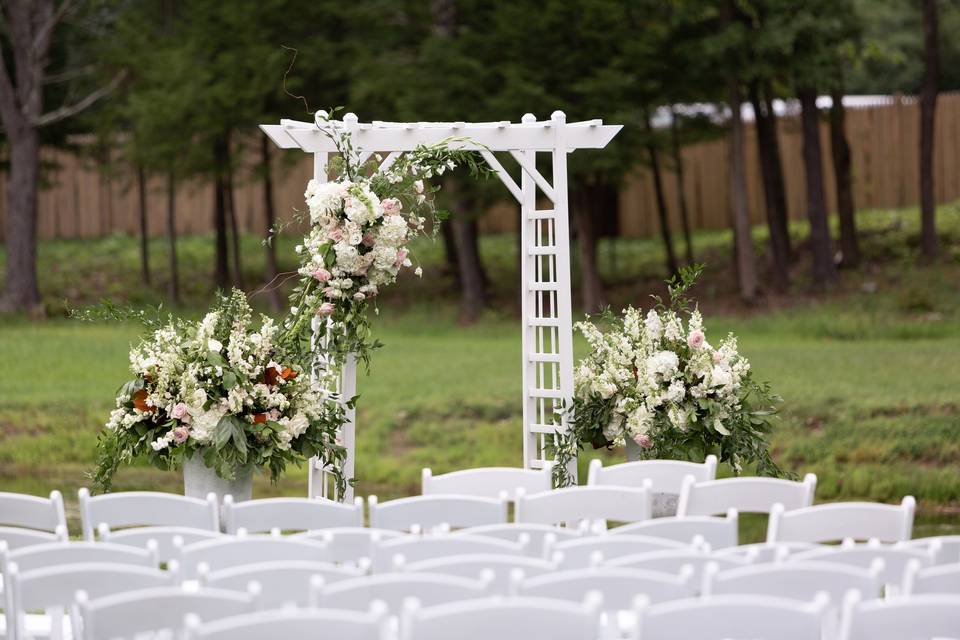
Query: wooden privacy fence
(81, 200)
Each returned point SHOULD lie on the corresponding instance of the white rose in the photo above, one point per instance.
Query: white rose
(214, 345)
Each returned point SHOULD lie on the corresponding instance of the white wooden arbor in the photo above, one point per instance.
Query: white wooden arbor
(545, 238)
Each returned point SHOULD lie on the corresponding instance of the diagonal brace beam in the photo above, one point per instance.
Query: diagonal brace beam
(531, 168)
(504, 175)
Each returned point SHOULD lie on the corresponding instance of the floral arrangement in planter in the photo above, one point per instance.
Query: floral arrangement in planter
(655, 380)
(224, 389)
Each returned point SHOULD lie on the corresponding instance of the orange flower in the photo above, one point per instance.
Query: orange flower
(140, 401)
(259, 418)
(271, 376)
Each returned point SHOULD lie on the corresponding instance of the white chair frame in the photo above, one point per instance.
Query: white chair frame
(146, 508)
(281, 582)
(25, 511)
(666, 476)
(393, 588)
(294, 625)
(574, 505)
(745, 494)
(949, 547)
(916, 616)
(478, 566)
(488, 482)
(619, 587)
(719, 533)
(391, 555)
(894, 558)
(167, 539)
(228, 552)
(800, 580)
(538, 536)
(589, 551)
(841, 520)
(350, 545)
(427, 512)
(673, 561)
(942, 579)
(16, 538)
(63, 553)
(290, 514)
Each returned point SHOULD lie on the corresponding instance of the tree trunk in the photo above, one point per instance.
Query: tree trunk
(772, 175)
(174, 291)
(232, 219)
(473, 297)
(929, 243)
(743, 245)
(21, 292)
(144, 231)
(270, 215)
(221, 266)
(823, 270)
(451, 262)
(840, 149)
(594, 297)
(681, 192)
(662, 212)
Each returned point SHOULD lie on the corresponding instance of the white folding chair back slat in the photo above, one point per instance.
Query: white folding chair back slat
(290, 514)
(15, 538)
(619, 587)
(538, 535)
(496, 617)
(745, 494)
(915, 617)
(760, 552)
(796, 580)
(349, 544)
(942, 579)
(719, 533)
(281, 582)
(726, 617)
(32, 512)
(391, 554)
(487, 482)
(393, 588)
(146, 508)
(589, 550)
(477, 566)
(671, 561)
(164, 537)
(666, 476)
(63, 553)
(432, 511)
(574, 505)
(949, 547)
(895, 558)
(229, 552)
(841, 520)
(294, 625)
(128, 615)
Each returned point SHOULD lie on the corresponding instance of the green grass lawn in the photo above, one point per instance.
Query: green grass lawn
(869, 373)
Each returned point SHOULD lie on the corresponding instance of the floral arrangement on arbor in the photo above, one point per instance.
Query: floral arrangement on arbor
(224, 389)
(656, 380)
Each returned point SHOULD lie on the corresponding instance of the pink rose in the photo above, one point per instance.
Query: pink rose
(180, 435)
(181, 412)
(716, 357)
(325, 309)
(401, 256)
(643, 441)
(331, 292)
(695, 339)
(367, 239)
(391, 206)
(321, 275)
(336, 234)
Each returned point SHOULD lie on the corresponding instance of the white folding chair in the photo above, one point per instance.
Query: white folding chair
(574, 505)
(726, 617)
(26, 519)
(290, 514)
(53, 590)
(167, 539)
(487, 482)
(895, 558)
(281, 582)
(841, 520)
(477, 566)
(745, 494)
(942, 579)
(294, 624)
(901, 618)
(393, 588)
(146, 508)
(673, 561)
(761, 552)
(350, 545)
(392, 554)
(498, 617)
(619, 587)
(666, 476)
(135, 613)
(427, 512)
(227, 552)
(592, 550)
(949, 547)
(719, 533)
(55, 554)
(538, 535)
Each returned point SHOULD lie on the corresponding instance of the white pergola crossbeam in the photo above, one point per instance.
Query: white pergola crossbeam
(547, 345)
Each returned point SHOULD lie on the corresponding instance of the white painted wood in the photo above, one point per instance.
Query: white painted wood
(840, 520)
(736, 616)
(497, 617)
(166, 539)
(146, 508)
(290, 514)
(949, 547)
(32, 512)
(666, 476)
(528, 166)
(918, 616)
(503, 174)
(719, 533)
(427, 512)
(673, 561)
(477, 566)
(232, 552)
(618, 587)
(53, 589)
(760, 552)
(286, 624)
(920, 580)
(592, 550)
(573, 505)
(393, 588)
(18, 538)
(127, 615)
(391, 555)
(350, 544)
(796, 580)
(895, 558)
(64, 553)
(537, 536)
(282, 582)
(745, 494)
(487, 482)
